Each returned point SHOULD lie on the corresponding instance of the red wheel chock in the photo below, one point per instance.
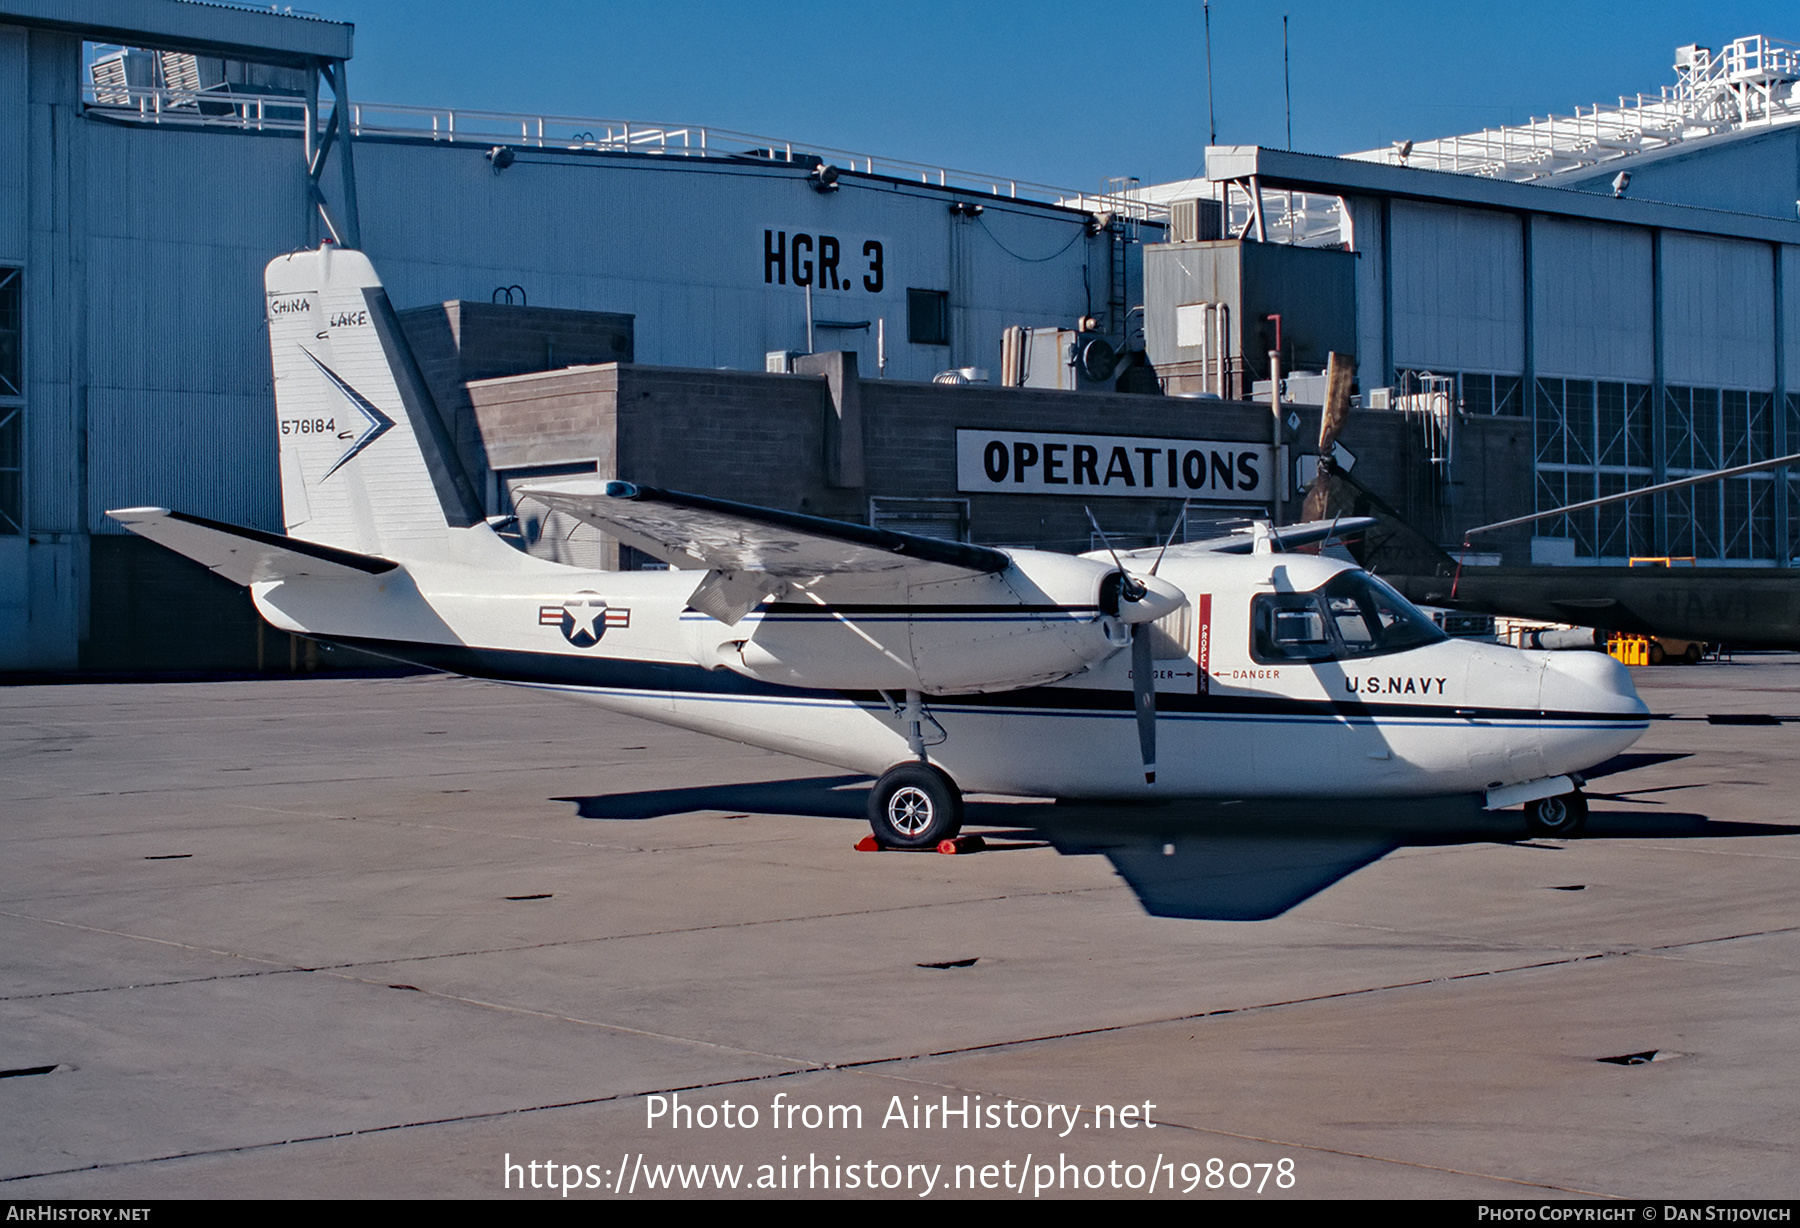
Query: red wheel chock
(951, 847)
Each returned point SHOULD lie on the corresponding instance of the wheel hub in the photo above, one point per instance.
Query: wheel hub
(910, 810)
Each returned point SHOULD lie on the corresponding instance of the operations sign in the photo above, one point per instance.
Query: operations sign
(1032, 462)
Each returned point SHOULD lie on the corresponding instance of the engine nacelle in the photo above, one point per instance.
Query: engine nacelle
(1046, 617)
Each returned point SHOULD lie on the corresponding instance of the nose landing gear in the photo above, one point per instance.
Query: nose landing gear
(1564, 815)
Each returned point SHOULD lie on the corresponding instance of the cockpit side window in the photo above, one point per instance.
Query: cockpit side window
(1351, 615)
(1289, 627)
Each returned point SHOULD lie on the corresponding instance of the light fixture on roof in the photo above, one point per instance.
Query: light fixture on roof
(501, 157)
(1404, 149)
(824, 178)
(1621, 181)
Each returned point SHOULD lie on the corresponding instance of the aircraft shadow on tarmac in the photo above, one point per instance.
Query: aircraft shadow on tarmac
(1217, 861)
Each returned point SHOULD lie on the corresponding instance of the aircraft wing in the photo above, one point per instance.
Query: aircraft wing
(694, 531)
(750, 552)
(1287, 537)
(246, 556)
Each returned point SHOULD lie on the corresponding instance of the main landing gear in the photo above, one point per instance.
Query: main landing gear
(914, 806)
(1564, 815)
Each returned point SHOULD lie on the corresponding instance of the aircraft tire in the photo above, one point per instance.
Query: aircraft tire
(1563, 816)
(914, 806)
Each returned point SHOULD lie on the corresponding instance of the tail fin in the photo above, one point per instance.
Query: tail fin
(366, 462)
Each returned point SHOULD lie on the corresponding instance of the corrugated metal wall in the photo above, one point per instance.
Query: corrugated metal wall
(1718, 312)
(14, 150)
(1790, 321)
(1458, 288)
(1371, 290)
(1593, 308)
(682, 246)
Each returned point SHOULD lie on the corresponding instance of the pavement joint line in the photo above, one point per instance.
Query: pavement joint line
(586, 1023)
(1104, 1029)
(274, 966)
(1701, 942)
(307, 782)
(1661, 848)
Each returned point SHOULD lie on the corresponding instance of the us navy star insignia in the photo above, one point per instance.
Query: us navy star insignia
(584, 618)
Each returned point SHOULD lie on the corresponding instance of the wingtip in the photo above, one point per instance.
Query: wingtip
(125, 515)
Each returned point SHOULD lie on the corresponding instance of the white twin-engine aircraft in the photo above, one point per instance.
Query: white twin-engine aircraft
(1230, 668)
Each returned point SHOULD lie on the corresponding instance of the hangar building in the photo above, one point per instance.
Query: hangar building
(155, 154)
(1534, 334)
(1621, 282)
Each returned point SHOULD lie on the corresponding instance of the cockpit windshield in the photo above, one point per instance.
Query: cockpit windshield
(1351, 615)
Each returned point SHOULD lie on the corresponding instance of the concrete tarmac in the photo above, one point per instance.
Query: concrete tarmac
(362, 937)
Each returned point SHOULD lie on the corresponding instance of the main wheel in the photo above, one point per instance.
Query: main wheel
(1563, 816)
(913, 806)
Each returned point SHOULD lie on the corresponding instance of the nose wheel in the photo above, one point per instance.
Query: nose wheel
(1564, 815)
(914, 806)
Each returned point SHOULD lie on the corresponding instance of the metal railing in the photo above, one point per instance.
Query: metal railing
(1751, 83)
(223, 108)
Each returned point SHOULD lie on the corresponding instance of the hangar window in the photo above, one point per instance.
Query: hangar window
(1593, 438)
(928, 317)
(12, 406)
(1351, 615)
(1479, 393)
(1492, 395)
(1715, 428)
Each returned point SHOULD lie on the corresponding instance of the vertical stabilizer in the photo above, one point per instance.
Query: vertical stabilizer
(366, 463)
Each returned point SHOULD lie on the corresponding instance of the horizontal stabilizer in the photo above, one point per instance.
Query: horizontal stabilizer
(693, 531)
(1288, 537)
(246, 556)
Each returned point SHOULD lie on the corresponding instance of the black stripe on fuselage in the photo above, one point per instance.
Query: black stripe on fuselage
(789, 608)
(622, 674)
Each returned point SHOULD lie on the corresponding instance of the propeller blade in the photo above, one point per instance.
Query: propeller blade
(1143, 697)
(1173, 530)
(1339, 371)
(1131, 589)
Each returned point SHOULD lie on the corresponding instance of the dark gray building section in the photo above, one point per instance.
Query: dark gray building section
(768, 440)
(1311, 290)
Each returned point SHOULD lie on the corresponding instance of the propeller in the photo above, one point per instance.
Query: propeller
(1117, 591)
(1339, 371)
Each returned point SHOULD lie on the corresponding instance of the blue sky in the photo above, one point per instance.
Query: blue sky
(1055, 92)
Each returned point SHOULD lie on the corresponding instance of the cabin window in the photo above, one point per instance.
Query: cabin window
(1351, 615)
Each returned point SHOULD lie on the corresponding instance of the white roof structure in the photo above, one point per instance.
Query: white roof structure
(1750, 87)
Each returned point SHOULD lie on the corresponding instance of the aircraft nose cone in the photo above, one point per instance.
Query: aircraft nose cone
(1594, 712)
(1581, 681)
